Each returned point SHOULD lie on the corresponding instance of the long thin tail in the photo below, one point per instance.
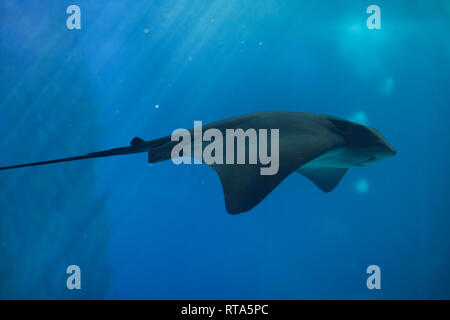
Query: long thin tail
(137, 146)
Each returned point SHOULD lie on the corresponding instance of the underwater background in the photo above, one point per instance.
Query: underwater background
(145, 68)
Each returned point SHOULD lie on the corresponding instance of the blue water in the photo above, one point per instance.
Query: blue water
(145, 68)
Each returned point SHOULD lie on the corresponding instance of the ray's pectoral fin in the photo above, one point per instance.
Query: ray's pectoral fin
(325, 178)
(244, 186)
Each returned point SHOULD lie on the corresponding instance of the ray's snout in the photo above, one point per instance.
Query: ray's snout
(388, 151)
(393, 150)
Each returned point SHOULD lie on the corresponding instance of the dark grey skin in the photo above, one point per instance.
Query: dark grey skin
(321, 148)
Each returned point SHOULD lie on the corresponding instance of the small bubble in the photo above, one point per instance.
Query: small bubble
(157, 106)
(212, 20)
(361, 185)
(359, 117)
(260, 43)
(146, 31)
(387, 86)
(190, 58)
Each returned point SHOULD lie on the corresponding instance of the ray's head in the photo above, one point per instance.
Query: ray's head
(366, 145)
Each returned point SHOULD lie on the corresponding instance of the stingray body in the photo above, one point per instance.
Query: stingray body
(321, 148)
